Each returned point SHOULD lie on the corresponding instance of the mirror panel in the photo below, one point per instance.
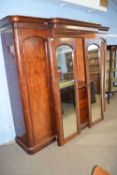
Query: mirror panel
(95, 81)
(65, 64)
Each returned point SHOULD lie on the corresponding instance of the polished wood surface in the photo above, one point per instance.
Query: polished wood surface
(35, 89)
(84, 117)
(37, 81)
(52, 22)
(75, 24)
(29, 46)
(103, 53)
(100, 171)
(82, 90)
(13, 85)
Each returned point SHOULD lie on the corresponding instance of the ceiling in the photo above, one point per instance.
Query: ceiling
(62, 3)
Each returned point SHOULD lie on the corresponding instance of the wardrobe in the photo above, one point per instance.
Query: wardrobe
(56, 77)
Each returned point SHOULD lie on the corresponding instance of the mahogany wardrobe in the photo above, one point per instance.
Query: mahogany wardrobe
(56, 77)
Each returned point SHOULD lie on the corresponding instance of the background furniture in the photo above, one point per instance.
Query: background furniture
(93, 93)
(111, 71)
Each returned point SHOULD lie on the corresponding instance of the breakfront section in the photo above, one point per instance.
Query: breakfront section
(77, 68)
(111, 71)
(26, 60)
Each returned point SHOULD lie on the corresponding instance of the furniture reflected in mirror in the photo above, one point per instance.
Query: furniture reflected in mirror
(83, 104)
(95, 81)
(67, 90)
(111, 71)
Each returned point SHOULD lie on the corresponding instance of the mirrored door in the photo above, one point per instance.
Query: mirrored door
(95, 80)
(65, 66)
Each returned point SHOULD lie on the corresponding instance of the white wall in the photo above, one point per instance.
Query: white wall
(42, 8)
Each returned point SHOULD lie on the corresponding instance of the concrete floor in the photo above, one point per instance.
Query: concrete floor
(95, 146)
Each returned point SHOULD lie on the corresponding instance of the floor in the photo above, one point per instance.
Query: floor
(95, 146)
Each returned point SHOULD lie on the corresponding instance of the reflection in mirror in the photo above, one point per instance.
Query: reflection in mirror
(67, 91)
(95, 81)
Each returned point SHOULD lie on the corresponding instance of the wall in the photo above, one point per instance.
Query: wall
(42, 8)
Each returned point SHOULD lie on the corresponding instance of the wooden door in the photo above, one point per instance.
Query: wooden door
(34, 74)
